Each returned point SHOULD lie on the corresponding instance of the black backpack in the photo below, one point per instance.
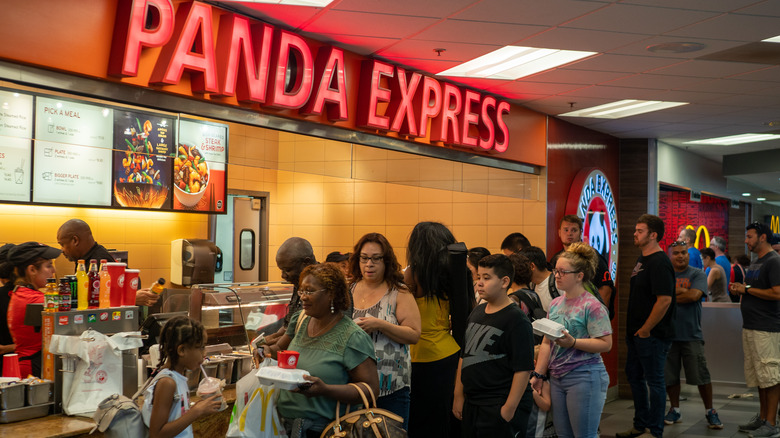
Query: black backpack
(534, 305)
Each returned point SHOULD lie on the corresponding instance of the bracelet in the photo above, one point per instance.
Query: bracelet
(575, 343)
(539, 376)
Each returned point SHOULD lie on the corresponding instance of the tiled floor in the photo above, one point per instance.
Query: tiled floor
(618, 414)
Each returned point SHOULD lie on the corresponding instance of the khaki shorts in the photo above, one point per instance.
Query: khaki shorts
(690, 356)
(762, 358)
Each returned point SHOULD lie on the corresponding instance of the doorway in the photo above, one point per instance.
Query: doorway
(242, 234)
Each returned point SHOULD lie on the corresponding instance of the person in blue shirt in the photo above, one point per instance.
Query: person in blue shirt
(688, 236)
(718, 244)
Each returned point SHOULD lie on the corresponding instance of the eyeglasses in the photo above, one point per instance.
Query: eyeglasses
(561, 272)
(374, 259)
(308, 293)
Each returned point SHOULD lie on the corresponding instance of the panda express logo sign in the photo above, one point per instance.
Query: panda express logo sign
(226, 54)
(591, 198)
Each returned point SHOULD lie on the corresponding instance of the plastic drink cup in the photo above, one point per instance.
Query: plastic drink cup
(210, 386)
(288, 359)
(117, 273)
(131, 286)
(11, 366)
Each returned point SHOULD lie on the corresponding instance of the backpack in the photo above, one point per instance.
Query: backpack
(534, 305)
(120, 417)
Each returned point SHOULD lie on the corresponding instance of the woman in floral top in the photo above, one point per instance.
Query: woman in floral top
(578, 378)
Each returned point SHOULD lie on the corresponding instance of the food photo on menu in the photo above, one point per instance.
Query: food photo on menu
(199, 167)
(142, 161)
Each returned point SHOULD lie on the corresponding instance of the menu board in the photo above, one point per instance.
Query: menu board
(16, 115)
(199, 176)
(142, 165)
(72, 152)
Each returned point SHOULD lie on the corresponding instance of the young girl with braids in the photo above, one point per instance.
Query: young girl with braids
(577, 377)
(166, 407)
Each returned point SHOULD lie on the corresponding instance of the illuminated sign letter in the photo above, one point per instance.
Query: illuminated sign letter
(502, 136)
(330, 85)
(401, 105)
(487, 132)
(448, 119)
(470, 118)
(294, 91)
(191, 48)
(775, 224)
(429, 103)
(131, 34)
(243, 55)
(371, 93)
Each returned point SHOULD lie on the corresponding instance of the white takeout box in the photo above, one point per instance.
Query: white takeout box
(549, 328)
(282, 378)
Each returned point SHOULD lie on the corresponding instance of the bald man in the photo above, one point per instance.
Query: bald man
(75, 238)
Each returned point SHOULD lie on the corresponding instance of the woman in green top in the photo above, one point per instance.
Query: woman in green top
(333, 349)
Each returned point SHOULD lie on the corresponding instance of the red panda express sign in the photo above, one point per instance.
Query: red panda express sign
(226, 55)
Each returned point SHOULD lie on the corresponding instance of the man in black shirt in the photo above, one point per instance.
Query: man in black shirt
(649, 328)
(75, 238)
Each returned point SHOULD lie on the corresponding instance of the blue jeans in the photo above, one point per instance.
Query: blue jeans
(645, 362)
(397, 403)
(578, 399)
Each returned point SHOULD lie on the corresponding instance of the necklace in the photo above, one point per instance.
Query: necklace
(327, 327)
(368, 294)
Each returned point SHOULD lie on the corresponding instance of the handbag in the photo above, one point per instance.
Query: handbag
(369, 422)
(120, 417)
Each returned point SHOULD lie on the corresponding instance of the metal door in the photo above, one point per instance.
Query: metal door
(246, 239)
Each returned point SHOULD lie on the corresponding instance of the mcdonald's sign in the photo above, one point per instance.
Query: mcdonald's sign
(699, 231)
(774, 223)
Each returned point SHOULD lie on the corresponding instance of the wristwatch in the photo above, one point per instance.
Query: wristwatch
(539, 376)
(747, 286)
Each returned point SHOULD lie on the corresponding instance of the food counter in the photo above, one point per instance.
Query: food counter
(721, 324)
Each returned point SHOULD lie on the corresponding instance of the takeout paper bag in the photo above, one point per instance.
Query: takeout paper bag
(98, 374)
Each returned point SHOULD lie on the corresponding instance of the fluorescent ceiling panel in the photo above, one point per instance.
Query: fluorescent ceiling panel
(735, 139)
(623, 108)
(514, 62)
(314, 3)
(775, 39)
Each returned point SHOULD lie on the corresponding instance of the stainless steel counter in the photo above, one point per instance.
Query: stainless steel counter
(721, 324)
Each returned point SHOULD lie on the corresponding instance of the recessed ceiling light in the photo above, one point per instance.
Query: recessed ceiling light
(735, 139)
(513, 62)
(760, 199)
(314, 3)
(623, 108)
(746, 194)
(775, 39)
(681, 47)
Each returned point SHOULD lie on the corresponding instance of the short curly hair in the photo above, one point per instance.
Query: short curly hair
(330, 276)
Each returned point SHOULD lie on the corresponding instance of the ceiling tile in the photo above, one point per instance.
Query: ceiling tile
(460, 52)
(659, 82)
(477, 32)
(699, 5)
(534, 87)
(771, 74)
(638, 19)
(729, 86)
(552, 12)
(762, 9)
(749, 101)
(708, 69)
(365, 24)
(734, 27)
(287, 17)
(416, 8)
(580, 39)
(612, 93)
(692, 97)
(640, 48)
(575, 76)
(361, 45)
(625, 63)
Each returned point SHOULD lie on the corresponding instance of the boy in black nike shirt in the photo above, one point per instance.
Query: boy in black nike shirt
(492, 395)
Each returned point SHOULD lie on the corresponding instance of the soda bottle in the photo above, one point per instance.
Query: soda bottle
(64, 295)
(50, 296)
(82, 286)
(157, 287)
(93, 283)
(105, 286)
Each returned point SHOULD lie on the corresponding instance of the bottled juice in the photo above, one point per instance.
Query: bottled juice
(105, 286)
(158, 286)
(50, 296)
(82, 286)
(64, 295)
(93, 285)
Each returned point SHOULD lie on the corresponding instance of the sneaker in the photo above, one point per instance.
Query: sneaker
(752, 425)
(765, 431)
(631, 433)
(713, 420)
(673, 417)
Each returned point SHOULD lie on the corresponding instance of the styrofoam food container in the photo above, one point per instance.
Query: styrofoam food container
(282, 378)
(551, 329)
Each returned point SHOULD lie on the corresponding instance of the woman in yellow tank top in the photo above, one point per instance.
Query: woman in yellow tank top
(444, 305)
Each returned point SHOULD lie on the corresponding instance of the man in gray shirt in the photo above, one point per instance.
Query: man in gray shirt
(687, 348)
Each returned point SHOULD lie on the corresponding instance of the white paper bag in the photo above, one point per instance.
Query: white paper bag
(98, 375)
(254, 413)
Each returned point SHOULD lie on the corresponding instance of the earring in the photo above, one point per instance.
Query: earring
(332, 309)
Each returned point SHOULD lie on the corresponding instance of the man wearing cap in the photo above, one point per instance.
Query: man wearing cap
(32, 262)
(340, 259)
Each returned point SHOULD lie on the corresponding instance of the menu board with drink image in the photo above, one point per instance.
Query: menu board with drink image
(16, 115)
(143, 145)
(72, 152)
(199, 176)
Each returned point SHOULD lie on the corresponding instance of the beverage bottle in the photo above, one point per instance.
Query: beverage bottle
(50, 295)
(158, 286)
(64, 295)
(93, 283)
(74, 287)
(105, 286)
(82, 286)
